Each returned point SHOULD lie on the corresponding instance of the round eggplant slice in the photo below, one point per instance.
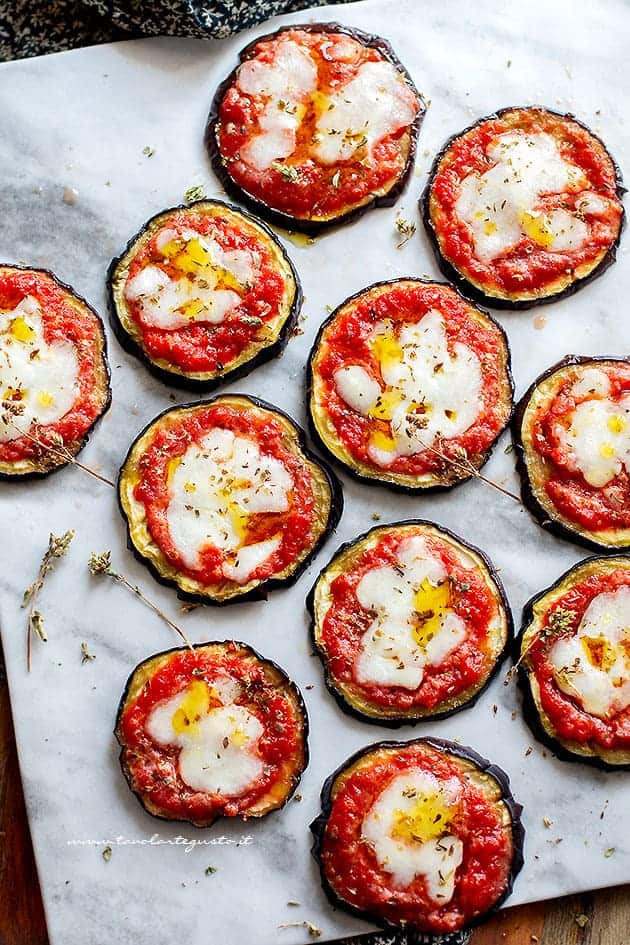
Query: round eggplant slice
(223, 500)
(575, 666)
(203, 294)
(410, 622)
(212, 731)
(421, 835)
(572, 435)
(523, 206)
(54, 375)
(316, 124)
(410, 385)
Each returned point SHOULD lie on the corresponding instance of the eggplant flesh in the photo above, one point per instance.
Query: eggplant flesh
(564, 286)
(48, 461)
(277, 331)
(351, 696)
(491, 779)
(541, 724)
(292, 769)
(451, 473)
(534, 470)
(386, 197)
(328, 501)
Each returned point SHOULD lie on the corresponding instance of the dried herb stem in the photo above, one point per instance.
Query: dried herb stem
(102, 564)
(559, 622)
(462, 462)
(57, 547)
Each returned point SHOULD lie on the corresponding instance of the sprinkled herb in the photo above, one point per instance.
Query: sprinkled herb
(581, 920)
(57, 548)
(293, 902)
(509, 449)
(287, 171)
(335, 179)
(406, 228)
(376, 516)
(194, 193)
(297, 797)
(609, 852)
(101, 564)
(209, 870)
(547, 822)
(148, 151)
(558, 623)
(313, 930)
(107, 854)
(86, 656)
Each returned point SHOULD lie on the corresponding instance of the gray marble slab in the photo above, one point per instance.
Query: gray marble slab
(81, 120)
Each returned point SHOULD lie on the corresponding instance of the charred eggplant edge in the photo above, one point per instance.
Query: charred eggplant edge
(67, 289)
(288, 684)
(445, 746)
(543, 516)
(411, 719)
(278, 217)
(393, 485)
(453, 274)
(531, 713)
(180, 378)
(259, 592)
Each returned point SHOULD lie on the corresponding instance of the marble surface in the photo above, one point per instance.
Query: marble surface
(81, 120)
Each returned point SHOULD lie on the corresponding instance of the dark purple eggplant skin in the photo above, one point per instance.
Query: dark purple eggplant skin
(515, 809)
(536, 510)
(371, 481)
(277, 217)
(29, 476)
(289, 684)
(530, 712)
(454, 275)
(173, 378)
(260, 592)
(328, 677)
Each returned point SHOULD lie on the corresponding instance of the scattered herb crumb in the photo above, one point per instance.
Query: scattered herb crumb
(287, 172)
(335, 179)
(581, 920)
(194, 193)
(406, 229)
(209, 870)
(86, 656)
(148, 151)
(376, 516)
(609, 852)
(107, 854)
(548, 822)
(313, 930)
(57, 548)
(297, 797)
(293, 902)
(509, 449)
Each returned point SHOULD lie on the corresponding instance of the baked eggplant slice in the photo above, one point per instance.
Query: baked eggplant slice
(223, 500)
(523, 207)
(212, 731)
(409, 385)
(203, 294)
(316, 124)
(54, 375)
(571, 431)
(410, 622)
(574, 669)
(423, 835)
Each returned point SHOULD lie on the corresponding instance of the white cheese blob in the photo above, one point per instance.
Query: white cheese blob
(405, 841)
(593, 666)
(41, 377)
(172, 303)
(414, 626)
(376, 103)
(597, 439)
(284, 84)
(502, 205)
(429, 392)
(218, 746)
(213, 489)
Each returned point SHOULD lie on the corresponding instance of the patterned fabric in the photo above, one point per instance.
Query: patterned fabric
(34, 27)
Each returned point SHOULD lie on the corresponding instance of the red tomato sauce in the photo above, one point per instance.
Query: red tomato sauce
(346, 341)
(201, 346)
(360, 880)
(590, 507)
(317, 191)
(570, 721)
(526, 267)
(346, 621)
(172, 439)
(154, 768)
(61, 322)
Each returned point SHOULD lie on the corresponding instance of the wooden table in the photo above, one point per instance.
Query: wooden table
(22, 915)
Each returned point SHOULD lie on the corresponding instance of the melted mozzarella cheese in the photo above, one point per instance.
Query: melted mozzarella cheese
(41, 377)
(429, 392)
(597, 439)
(376, 103)
(213, 489)
(414, 626)
(502, 205)
(195, 295)
(284, 84)
(594, 665)
(408, 837)
(218, 742)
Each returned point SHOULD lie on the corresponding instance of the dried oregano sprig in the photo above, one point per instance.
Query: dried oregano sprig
(102, 564)
(560, 620)
(57, 548)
